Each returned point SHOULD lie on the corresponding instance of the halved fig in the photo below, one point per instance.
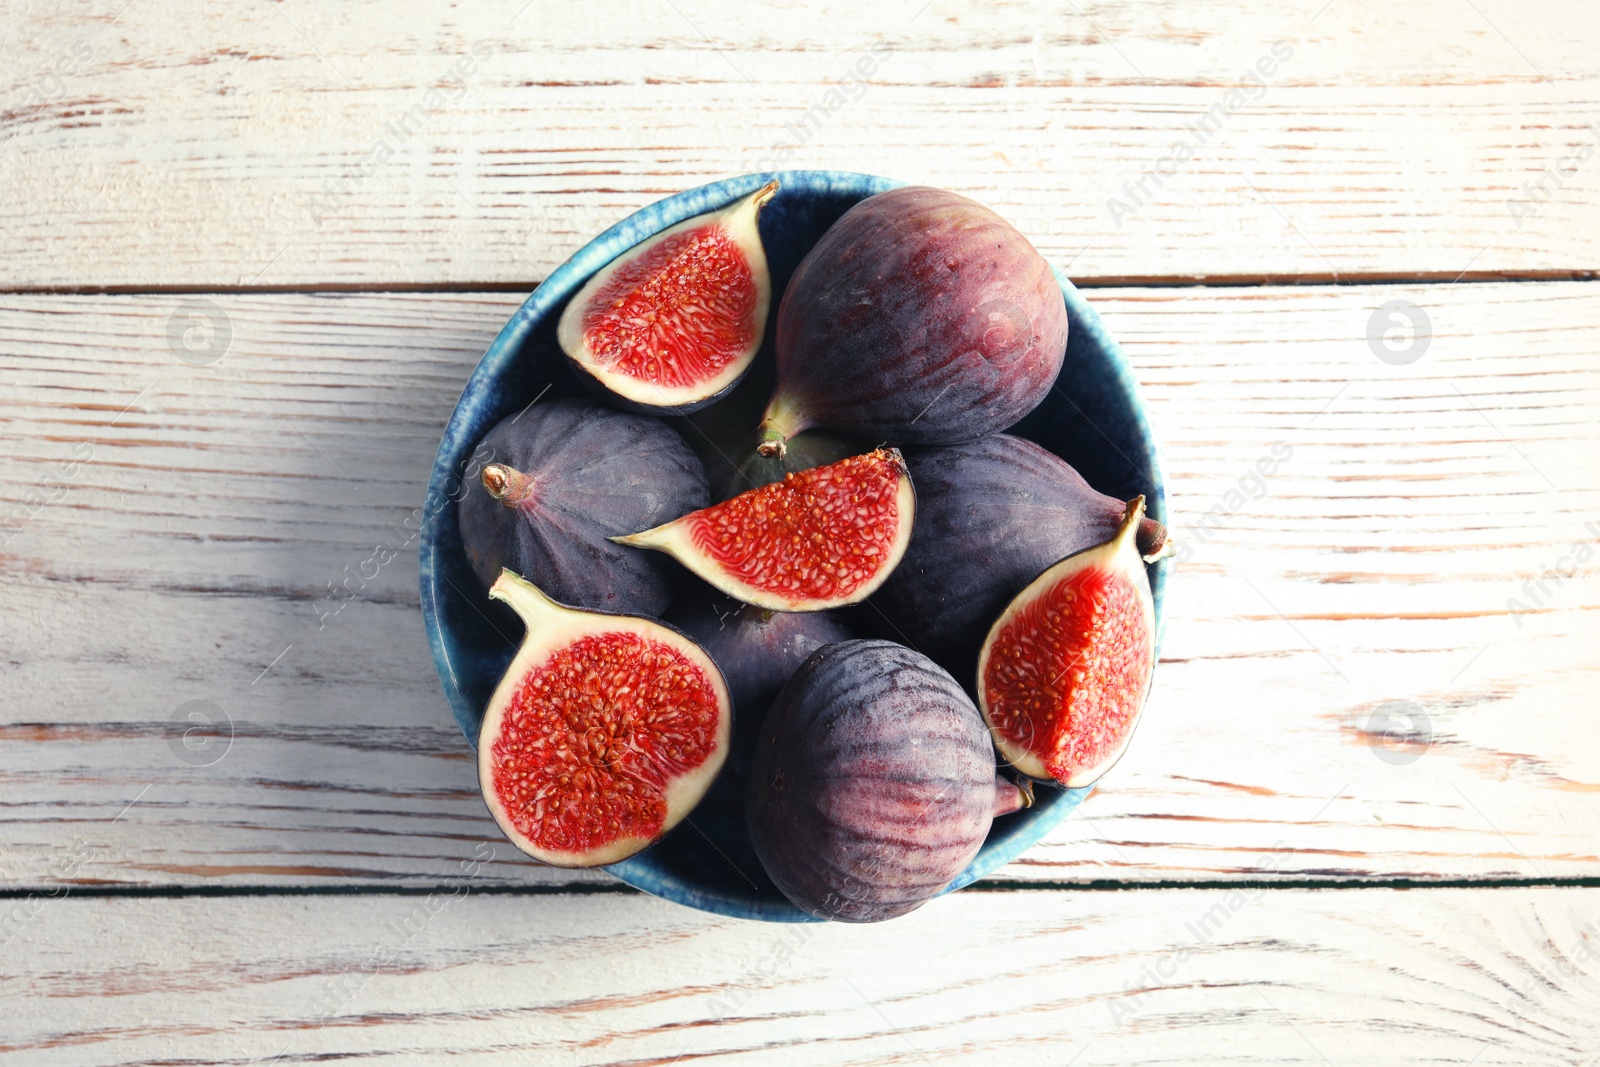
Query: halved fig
(605, 731)
(674, 322)
(1064, 672)
(821, 538)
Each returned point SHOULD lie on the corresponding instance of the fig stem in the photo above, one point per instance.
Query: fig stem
(1127, 533)
(1155, 540)
(770, 442)
(530, 602)
(765, 193)
(1011, 795)
(778, 423)
(506, 484)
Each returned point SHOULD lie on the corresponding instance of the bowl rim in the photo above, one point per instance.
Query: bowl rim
(462, 431)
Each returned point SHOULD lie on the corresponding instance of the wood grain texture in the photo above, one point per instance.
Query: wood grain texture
(291, 144)
(171, 533)
(1357, 977)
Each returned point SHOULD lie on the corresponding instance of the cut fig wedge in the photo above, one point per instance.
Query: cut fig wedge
(821, 538)
(674, 322)
(1064, 672)
(605, 731)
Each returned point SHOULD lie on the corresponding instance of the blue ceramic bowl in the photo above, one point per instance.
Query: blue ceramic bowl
(1094, 419)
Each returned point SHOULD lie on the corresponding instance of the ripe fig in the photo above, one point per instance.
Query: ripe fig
(1064, 672)
(873, 784)
(991, 515)
(674, 322)
(605, 731)
(920, 317)
(566, 475)
(821, 538)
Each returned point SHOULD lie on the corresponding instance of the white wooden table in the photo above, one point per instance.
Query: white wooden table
(1359, 232)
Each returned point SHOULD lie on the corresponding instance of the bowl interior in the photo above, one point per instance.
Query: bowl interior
(1093, 418)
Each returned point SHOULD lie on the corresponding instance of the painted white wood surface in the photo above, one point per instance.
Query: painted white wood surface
(168, 533)
(180, 143)
(193, 519)
(1346, 977)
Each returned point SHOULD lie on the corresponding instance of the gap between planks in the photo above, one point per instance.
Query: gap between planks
(1103, 885)
(1110, 281)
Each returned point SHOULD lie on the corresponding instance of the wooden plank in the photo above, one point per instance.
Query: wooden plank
(171, 532)
(420, 144)
(1485, 977)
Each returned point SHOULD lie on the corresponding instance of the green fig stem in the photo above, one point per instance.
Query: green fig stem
(506, 484)
(780, 422)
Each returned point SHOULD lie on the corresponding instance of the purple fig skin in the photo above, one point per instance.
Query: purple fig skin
(591, 472)
(991, 516)
(873, 783)
(920, 317)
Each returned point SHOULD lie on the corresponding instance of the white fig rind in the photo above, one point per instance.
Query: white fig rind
(739, 220)
(551, 627)
(1118, 555)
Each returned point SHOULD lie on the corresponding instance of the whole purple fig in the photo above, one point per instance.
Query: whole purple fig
(563, 477)
(920, 317)
(873, 784)
(991, 516)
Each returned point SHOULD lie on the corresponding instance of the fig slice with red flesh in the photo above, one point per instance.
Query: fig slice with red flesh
(604, 733)
(674, 322)
(1064, 672)
(821, 538)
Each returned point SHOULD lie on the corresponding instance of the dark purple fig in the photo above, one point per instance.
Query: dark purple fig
(991, 516)
(920, 317)
(564, 476)
(873, 783)
(757, 651)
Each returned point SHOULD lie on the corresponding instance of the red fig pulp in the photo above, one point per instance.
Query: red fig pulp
(821, 538)
(674, 322)
(1063, 675)
(605, 731)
